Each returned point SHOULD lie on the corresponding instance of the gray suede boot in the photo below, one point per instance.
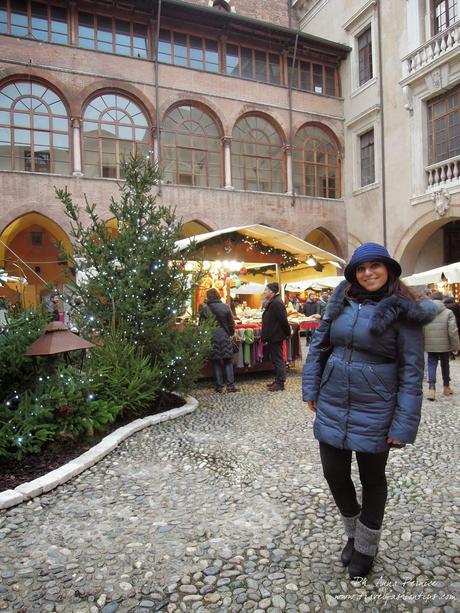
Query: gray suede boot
(365, 550)
(349, 524)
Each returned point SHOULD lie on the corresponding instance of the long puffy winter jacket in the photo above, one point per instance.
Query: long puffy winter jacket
(221, 343)
(371, 386)
(441, 335)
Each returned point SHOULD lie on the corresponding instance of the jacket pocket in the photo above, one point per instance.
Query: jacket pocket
(327, 373)
(376, 383)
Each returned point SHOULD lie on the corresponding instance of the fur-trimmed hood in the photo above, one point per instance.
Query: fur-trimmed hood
(387, 311)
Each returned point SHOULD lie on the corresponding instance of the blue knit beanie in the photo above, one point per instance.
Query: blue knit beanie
(370, 252)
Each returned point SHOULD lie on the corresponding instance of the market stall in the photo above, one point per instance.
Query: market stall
(445, 278)
(12, 288)
(240, 261)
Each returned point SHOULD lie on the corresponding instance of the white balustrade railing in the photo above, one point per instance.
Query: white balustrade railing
(436, 47)
(443, 174)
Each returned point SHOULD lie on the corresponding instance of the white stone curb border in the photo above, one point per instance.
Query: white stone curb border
(26, 491)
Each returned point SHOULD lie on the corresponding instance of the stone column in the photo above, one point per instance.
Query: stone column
(76, 149)
(155, 147)
(226, 140)
(290, 187)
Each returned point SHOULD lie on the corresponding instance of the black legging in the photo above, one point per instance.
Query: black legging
(337, 471)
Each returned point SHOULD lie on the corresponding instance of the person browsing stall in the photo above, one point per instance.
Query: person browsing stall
(275, 329)
(222, 349)
(363, 379)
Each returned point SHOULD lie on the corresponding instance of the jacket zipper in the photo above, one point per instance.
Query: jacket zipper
(348, 369)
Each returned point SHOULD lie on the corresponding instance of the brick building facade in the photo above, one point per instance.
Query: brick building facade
(80, 87)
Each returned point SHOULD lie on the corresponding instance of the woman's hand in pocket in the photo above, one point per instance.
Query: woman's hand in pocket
(312, 405)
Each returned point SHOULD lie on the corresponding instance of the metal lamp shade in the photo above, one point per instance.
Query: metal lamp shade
(57, 339)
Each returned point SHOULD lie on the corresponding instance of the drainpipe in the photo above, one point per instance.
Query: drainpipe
(290, 80)
(157, 96)
(382, 123)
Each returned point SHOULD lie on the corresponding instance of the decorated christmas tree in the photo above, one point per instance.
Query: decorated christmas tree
(134, 278)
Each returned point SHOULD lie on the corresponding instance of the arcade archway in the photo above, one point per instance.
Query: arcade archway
(430, 245)
(29, 247)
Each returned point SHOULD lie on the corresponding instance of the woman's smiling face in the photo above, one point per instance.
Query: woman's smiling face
(372, 275)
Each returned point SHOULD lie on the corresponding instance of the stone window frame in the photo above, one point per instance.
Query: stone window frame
(358, 126)
(357, 25)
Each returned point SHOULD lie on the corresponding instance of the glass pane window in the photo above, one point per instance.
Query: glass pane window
(113, 127)
(444, 127)
(274, 69)
(3, 17)
(365, 68)
(444, 14)
(164, 47)
(316, 163)
(32, 129)
(367, 158)
(314, 77)
(191, 147)
(112, 35)
(211, 56)
(257, 155)
(37, 20)
(188, 50)
(248, 63)
(232, 61)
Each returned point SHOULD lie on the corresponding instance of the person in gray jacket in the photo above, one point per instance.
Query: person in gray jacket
(441, 337)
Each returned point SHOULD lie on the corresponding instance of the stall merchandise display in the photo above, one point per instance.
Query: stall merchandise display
(252, 351)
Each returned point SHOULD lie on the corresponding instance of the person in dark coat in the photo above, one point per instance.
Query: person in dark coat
(310, 307)
(275, 329)
(367, 395)
(222, 348)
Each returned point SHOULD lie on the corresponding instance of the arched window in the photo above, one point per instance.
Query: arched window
(222, 5)
(34, 129)
(316, 163)
(113, 128)
(257, 156)
(191, 148)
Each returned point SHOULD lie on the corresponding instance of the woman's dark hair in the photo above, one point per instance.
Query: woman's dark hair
(395, 288)
(212, 294)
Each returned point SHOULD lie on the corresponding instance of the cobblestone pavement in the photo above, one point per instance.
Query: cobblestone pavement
(226, 510)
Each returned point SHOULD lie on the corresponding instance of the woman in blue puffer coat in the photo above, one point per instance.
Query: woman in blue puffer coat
(368, 395)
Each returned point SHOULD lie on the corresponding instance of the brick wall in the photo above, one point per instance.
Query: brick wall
(274, 11)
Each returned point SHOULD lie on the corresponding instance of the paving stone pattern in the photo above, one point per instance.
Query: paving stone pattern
(226, 510)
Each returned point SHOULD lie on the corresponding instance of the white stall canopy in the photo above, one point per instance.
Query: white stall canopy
(274, 238)
(316, 283)
(451, 274)
(248, 288)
